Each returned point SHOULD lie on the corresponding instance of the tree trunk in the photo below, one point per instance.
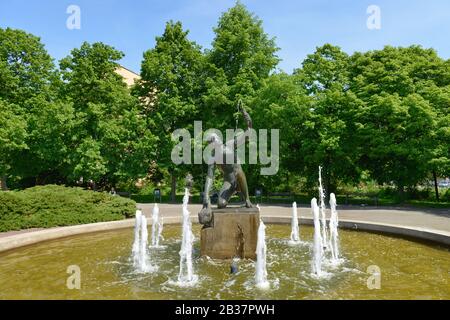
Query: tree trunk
(436, 189)
(173, 192)
(4, 185)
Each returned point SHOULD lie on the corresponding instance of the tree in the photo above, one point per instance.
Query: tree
(326, 137)
(49, 126)
(26, 69)
(174, 71)
(109, 140)
(243, 56)
(440, 162)
(401, 71)
(12, 138)
(389, 81)
(281, 104)
(434, 86)
(398, 136)
(28, 80)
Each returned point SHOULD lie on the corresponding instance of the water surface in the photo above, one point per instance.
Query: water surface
(409, 270)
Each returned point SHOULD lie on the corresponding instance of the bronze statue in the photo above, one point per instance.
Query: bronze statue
(233, 175)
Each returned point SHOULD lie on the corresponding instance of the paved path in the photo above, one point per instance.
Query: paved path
(422, 218)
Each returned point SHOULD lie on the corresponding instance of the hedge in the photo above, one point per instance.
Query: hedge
(52, 205)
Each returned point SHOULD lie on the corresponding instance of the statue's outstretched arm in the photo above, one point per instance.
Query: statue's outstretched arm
(240, 139)
(246, 116)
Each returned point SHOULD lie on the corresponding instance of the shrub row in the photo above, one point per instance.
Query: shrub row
(52, 205)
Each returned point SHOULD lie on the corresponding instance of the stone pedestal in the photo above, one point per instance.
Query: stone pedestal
(233, 233)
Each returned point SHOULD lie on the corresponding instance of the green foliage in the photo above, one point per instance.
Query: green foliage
(12, 135)
(446, 195)
(243, 56)
(49, 127)
(51, 206)
(281, 103)
(88, 125)
(171, 71)
(26, 69)
(380, 117)
(402, 124)
(109, 138)
(171, 87)
(90, 78)
(398, 134)
(28, 79)
(326, 137)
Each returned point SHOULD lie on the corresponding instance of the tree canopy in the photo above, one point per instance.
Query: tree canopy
(382, 115)
(242, 56)
(110, 140)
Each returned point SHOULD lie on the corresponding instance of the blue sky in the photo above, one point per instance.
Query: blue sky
(298, 25)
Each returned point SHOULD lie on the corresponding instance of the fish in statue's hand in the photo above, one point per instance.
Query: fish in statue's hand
(205, 215)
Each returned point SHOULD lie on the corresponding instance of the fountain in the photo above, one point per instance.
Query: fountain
(317, 241)
(144, 258)
(295, 237)
(186, 275)
(159, 235)
(322, 211)
(106, 268)
(137, 239)
(334, 239)
(322, 245)
(260, 265)
(302, 270)
(229, 232)
(157, 226)
(140, 254)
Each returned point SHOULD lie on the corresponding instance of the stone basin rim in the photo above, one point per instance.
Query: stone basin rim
(12, 242)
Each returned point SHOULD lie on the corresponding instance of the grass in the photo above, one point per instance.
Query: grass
(52, 206)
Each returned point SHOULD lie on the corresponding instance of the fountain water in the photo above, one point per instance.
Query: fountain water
(157, 226)
(295, 237)
(144, 258)
(322, 211)
(334, 240)
(186, 275)
(141, 257)
(318, 241)
(260, 266)
(159, 236)
(137, 238)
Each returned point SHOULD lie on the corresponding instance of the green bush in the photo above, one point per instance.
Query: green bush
(445, 194)
(51, 206)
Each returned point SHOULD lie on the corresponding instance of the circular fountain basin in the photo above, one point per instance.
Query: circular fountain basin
(409, 269)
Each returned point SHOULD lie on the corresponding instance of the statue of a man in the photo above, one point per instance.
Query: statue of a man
(233, 175)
